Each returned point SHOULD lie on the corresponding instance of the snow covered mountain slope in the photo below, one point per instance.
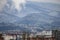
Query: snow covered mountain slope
(33, 17)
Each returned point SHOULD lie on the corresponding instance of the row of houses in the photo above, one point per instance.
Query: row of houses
(44, 35)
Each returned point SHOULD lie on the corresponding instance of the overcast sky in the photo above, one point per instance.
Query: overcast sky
(17, 2)
(51, 1)
(2, 3)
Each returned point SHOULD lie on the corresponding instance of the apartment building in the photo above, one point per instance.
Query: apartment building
(44, 35)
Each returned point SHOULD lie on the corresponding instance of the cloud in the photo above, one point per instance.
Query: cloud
(50, 1)
(2, 4)
(18, 3)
